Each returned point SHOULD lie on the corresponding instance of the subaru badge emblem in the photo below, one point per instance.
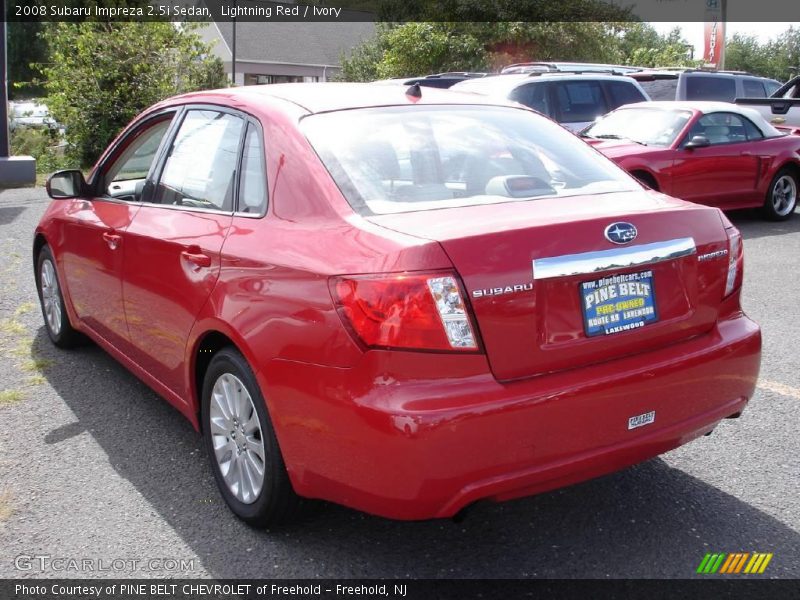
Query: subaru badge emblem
(621, 233)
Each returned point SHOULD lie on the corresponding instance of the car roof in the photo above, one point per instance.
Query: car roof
(504, 83)
(707, 106)
(332, 96)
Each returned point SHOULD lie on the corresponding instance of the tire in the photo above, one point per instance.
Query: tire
(781, 197)
(646, 179)
(51, 300)
(232, 404)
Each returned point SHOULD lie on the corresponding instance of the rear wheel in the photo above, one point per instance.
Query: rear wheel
(242, 446)
(781, 197)
(56, 319)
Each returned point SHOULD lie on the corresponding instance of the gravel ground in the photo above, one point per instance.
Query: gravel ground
(94, 465)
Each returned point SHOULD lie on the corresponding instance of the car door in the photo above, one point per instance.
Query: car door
(173, 256)
(92, 247)
(724, 172)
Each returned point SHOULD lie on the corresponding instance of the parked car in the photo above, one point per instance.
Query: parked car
(782, 108)
(572, 99)
(713, 153)
(30, 113)
(437, 80)
(695, 84)
(404, 303)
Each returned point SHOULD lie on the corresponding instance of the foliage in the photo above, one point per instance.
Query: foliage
(26, 49)
(101, 75)
(778, 58)
(641, 45)
(43, 145)
(409, 49)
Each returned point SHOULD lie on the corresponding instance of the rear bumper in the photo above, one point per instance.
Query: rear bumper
(411, 436)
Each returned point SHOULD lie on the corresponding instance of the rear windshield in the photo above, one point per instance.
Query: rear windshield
(413, 158)
(710, 87)
(661, 89)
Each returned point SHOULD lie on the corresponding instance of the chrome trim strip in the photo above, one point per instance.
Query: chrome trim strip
(587, 263)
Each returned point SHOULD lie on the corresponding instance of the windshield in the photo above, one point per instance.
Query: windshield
(648, 126)
(403, 159)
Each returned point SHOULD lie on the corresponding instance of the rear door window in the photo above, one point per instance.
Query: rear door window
(623, 92)
(710, 87)
(661, 89)
(533, 95)
(201, 165)
(579, 101)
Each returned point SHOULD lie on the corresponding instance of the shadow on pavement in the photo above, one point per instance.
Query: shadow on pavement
(753, 225)
(9, 213)
(648, 521)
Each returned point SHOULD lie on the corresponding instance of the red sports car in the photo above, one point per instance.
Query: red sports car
(712, 153)
(403, 301)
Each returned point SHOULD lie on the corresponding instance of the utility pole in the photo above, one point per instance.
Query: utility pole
(724, 20)
(14, 170)
(4, 147)
(233, 46)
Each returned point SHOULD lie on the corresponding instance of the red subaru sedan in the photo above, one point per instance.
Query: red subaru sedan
(400, 300)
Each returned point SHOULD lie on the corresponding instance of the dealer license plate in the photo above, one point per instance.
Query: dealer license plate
(618, 303)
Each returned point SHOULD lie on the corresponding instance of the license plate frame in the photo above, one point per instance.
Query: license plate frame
(618, 303)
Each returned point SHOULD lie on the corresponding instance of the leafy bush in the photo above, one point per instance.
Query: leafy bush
(43, 145)
(101, 75)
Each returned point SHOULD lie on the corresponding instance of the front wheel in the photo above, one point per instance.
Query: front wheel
(56, 319)
(781, 197)
(242, 446)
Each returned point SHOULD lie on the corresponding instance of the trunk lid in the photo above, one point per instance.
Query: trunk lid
(529, 268)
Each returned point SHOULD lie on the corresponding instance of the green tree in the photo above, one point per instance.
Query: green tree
(101, 75)
(641, 45)
(27, 50)
(418, 48)
(745, 53)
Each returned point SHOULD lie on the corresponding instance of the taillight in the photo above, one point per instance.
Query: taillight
(409, 310)
(735, 261)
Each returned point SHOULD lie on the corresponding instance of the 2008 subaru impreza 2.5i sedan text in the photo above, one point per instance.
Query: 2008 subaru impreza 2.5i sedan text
(398, 300)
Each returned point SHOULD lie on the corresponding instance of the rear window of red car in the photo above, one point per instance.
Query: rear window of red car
(412, 158)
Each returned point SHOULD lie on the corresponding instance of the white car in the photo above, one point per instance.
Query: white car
(30, 114)
(575, 100)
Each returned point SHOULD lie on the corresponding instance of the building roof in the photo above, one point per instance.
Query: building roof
(294, 43)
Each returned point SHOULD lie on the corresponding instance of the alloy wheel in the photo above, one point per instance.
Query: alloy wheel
(784, 195)
(51, 299)
(237, 438)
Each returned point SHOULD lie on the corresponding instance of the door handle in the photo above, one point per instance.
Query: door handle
(196, 257)
(112, 239)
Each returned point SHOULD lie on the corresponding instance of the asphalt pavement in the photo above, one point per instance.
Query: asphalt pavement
(96, 468)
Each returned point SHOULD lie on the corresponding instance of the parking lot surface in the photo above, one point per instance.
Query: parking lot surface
(95, 466)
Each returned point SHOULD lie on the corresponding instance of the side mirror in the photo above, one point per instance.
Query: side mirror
(66, 184)
(698, 141)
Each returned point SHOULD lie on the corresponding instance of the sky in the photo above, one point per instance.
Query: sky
(693, 32)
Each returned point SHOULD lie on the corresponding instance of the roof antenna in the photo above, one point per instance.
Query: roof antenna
(414, 92)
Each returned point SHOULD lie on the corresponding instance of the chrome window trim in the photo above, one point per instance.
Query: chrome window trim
(215, 211)
(587, 263)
